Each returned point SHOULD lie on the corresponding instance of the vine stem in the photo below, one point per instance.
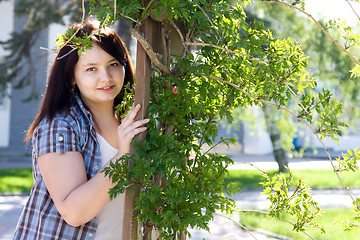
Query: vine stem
(300, 119)
(266, 213)
(225, 49)
(237, 223)
(82, 21)
(317, 23)
(150, 51)
(247, 163)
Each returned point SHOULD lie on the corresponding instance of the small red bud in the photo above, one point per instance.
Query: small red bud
(175, 90)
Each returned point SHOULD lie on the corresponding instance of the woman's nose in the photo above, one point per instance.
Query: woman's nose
(105, 74)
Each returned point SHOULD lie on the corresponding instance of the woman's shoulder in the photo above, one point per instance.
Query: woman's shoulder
(60, 134)
(64, 118)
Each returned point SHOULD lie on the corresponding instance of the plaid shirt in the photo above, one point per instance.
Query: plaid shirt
(66, 132)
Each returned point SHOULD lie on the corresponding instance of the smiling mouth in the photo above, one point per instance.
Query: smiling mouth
(107, 87)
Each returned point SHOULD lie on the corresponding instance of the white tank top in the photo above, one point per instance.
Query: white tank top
(110, 218)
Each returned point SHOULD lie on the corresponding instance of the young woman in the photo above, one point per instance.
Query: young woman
(74, 135)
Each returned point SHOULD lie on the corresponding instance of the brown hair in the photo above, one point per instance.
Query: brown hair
(59, 94)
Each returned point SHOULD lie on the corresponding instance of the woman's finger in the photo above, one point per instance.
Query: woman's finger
(130, 117)
(124, 129)
(135, 132)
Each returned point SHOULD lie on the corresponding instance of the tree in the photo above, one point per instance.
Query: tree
(233, 64)
(40, 15)
(329, 64)
(278, 149)
(223, 62)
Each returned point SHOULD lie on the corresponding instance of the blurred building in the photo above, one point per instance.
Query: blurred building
(16, 114)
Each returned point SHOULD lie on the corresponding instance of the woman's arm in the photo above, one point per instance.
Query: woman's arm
(77, 199)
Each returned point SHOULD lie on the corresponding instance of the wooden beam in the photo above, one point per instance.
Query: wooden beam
(131, 228)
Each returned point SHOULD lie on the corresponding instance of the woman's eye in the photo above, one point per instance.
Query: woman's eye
(114, 64)
(90, 69)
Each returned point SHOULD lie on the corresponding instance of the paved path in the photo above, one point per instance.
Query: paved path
(10, 209)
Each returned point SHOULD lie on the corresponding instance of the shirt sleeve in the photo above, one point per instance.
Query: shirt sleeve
(55, 136)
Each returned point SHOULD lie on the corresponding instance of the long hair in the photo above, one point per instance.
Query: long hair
(60, 92)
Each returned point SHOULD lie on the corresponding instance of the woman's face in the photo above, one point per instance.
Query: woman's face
(99, 76)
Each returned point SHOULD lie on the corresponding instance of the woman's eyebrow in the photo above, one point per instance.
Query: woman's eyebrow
(88, 64)
(93, 64)
(112, 60)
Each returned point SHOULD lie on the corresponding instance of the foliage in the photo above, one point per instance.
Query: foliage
(257, 220)
(332, 55)
(299, 203)
(352, 223)
(77, 43)
(327, 62)
(348, 161)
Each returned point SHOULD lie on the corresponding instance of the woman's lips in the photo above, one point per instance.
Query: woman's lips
(107, 88)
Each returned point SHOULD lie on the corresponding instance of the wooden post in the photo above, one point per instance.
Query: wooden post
(131, 228)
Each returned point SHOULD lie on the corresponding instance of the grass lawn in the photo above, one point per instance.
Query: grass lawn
(20, 180)
(316, 178)
(16, 180)
(333, 231)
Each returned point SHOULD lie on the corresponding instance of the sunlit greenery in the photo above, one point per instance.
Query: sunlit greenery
(316, 178)
(333, 231)
(16, 180)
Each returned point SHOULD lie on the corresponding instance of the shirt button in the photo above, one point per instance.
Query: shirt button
(90, 234)
(96, 167)
(61, 138)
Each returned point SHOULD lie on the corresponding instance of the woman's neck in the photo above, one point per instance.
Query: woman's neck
(103, 116)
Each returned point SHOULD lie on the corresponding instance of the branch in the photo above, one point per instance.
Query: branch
(165, 45)
(353, 9)
(127, 17)
(207, 17)
(180, 35)
(202, 10)
(150, 51)
(300, 119)
(297, 98)
(115, 6)
(317, 23)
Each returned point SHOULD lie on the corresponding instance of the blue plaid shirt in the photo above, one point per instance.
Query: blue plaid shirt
(66, 132)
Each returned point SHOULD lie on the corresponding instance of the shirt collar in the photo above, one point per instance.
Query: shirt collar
(81, 105)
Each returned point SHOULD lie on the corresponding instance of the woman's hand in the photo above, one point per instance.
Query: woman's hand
(128, 129)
